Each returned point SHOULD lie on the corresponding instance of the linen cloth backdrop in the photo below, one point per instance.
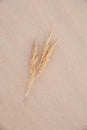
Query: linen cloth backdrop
(58, 99)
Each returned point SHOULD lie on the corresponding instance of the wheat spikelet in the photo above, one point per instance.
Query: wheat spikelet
(33, 67)
(46, 58)
(37, 65)
(34, 59)
(46, 46)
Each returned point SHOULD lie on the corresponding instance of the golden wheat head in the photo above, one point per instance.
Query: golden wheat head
(46, 58)
(37, 65)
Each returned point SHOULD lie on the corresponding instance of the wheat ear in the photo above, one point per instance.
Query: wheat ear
(45, 59)
(33, 67)
(37, 65)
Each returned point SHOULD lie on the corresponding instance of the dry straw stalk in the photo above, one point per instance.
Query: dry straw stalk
(38, 63)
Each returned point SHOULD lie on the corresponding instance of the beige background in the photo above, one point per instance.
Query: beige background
(58, 100)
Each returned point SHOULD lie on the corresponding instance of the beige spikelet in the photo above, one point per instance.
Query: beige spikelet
(46, 58)
(38, 63)
(34, 59)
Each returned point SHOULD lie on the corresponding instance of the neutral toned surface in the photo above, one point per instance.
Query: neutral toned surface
(58, 100)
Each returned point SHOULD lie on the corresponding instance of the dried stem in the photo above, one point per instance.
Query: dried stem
(37, 66)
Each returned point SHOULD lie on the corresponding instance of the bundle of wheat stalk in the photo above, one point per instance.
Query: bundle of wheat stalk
(38, 63)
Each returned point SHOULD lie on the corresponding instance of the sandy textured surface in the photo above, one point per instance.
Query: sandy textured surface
(58, 100)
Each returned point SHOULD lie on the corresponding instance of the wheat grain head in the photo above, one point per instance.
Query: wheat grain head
(37, 65)
(46, 58)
